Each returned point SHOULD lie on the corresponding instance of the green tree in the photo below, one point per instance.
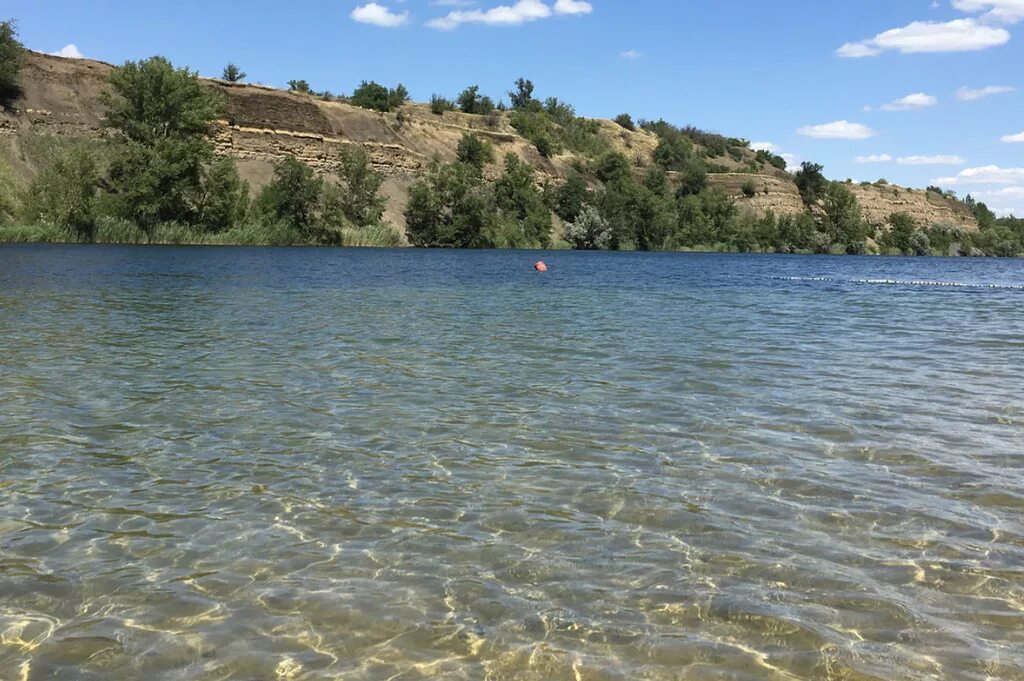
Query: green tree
(371, 95)
(225, 198)
(360, 188)
(810, 182)
(522, 96)
(474, 152)
(439, 105)
(691, 178)
(293, 197)
(570, 198)
(398, 96)
(470, 101)
(9, 204)
(516, 195)
(160, 116)
(233, 74)
(64, 194)
(842, 221)
(449, 207)
(626, 121)
(11, 56)
(300, 86)
(589, 231)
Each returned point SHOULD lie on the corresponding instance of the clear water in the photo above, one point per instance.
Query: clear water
(327, 464)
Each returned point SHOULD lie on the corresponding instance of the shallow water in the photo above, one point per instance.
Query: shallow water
(330, 464)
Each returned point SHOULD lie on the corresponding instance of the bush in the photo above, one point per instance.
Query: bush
(11, 56)
(517, 198)
(371, 95)
(233, 74)
(64, 194)
(300, 86)
(293, 197)
(569, 199)
(749, 189)
(810, 182)
(360, 188)
(765, 156)
(589, 231)
(475, 152)
(626, 121)
(449, 207)
(470, 101)
(9, 205)
(842, 221)
(439, 105)
(226, 201)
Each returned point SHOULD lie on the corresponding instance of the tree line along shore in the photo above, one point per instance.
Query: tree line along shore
(153, 177)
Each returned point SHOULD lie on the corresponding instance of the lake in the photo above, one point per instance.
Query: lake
(230, 463)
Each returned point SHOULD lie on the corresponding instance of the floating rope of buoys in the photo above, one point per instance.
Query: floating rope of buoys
(540, 266)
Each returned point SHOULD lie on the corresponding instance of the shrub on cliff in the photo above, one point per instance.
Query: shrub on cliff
(8, 193)
(810, 182)
(300, 86)
(11, 52)
(474, 152)
(439, 105)
(233, 74)
(626, 121)
(371, 95)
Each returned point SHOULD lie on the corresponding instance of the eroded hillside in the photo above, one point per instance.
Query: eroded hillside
(263, 125)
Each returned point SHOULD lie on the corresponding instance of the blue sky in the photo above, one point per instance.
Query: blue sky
(916, 91)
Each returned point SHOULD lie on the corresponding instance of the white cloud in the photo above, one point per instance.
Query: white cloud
(968, 95)
(502, 15)
(874, 158)
(985, 175)
(764, 146)
(573, 7)
(960, 35)
(379, 15)
(942, 160)
(1013, 139)
(630, 54)
(918, 100)
(838, 130)
(1006, 11)
(69, 51)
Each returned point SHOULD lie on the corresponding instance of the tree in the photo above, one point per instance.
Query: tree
(516, 195)
(360, 189)
(371, 95)
(449, 207)
(626, 121)
(11, 55)
(842, 221)
(151, 100)
(160, 116)
(691, 178)
(293, 196)
(589, 231)
(474, 152)
(470, 101)
(233, 74)
(522, 96)
(398, 96)
(810, 182)
(226, 197)
(64, 194)
(439, 105)
(570, 198)
(300, 86)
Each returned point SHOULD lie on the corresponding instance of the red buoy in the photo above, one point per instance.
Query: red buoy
(540, 266)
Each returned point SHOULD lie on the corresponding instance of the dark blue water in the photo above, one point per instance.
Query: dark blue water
(226, 463)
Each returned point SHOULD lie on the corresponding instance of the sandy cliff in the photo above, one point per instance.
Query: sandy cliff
(262, 125)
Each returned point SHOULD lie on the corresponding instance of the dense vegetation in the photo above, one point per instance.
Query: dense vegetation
(10, 64)
(154, 178)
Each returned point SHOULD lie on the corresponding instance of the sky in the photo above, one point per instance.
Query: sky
(919, 92)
